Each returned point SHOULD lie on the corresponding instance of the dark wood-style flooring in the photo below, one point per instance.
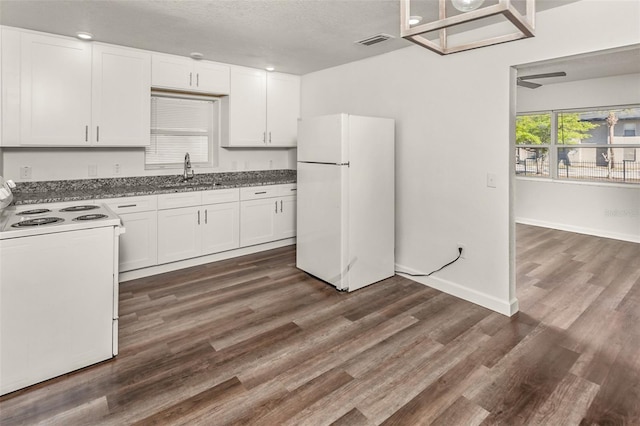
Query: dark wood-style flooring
(252, 340)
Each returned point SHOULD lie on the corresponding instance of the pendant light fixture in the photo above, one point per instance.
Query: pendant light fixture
(436, 37)
(466, 5)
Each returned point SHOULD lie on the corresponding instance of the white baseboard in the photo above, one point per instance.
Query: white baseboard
(503, 307)
(174, 266)
(579, 229)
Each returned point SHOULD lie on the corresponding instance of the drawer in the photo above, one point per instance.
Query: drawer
(179, 199)
(131, 204)
(288, 189)
(220, 196)
(267, 191)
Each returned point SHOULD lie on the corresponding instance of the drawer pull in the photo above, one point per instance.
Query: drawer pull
(127, 205)
(262, 192)
(294, 189)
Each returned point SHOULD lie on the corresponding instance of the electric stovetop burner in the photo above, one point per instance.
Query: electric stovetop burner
(79, 208)
(37, 222)
(95, 216)
(34, 211)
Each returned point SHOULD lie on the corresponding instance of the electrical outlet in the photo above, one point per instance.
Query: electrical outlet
(25, 172)
(116, 169)
(93, 170)
(463, 255)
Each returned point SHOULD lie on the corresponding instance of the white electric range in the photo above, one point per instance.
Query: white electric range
(58, 291)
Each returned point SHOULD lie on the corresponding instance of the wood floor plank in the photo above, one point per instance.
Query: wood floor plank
(253, 340)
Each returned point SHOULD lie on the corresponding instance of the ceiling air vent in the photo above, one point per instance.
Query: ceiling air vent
(378, 38)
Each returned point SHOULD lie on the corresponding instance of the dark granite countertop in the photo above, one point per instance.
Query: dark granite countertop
(86, 189)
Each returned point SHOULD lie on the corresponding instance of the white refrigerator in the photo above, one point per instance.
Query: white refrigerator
(345, 201)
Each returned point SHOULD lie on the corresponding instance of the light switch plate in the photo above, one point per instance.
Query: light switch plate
(491, 180)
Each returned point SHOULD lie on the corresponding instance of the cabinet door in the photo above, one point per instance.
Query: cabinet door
(247, 108)
(121, 105)
(179, 234)
(257, 221)
(171, 72)
(139, 244)
(286, 218)
(283, 109)
(55, 100)
(211, 77)
(221, 229)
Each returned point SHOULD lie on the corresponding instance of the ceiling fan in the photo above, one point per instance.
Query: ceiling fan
(522, 81)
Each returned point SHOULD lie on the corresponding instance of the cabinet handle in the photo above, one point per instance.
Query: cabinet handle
(269, 137)
(127, 205)
(198, 79)
(86, 133)
(261, 192)
(206, 216)
(280, 206)
(190, 79)
(97, 133)
(276, 207)
(294, 189)
(264, 137)
(198, 217)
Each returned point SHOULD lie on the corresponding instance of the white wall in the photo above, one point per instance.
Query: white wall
(611, 211)
(69, 163)
(445, 108)
(596, 92)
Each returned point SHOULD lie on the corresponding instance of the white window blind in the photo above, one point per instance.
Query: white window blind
(181, 125)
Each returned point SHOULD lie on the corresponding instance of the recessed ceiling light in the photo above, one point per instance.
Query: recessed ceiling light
(413, 20)
(197, 55)
(84, 35)
(269, 68)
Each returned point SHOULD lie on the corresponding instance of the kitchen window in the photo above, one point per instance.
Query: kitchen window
(180, 125)
(596, 144)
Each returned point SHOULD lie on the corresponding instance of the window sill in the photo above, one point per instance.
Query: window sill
(579, 182)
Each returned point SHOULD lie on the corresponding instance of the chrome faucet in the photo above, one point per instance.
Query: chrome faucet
(188, 171)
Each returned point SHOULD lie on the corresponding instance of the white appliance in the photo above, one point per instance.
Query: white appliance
(58, 291)
(345, 211)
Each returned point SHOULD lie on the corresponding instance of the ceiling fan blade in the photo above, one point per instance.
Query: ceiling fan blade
(528, 84)
(546, 75)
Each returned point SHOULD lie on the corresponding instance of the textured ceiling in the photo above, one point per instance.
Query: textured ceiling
(296, 36)
(605, 63)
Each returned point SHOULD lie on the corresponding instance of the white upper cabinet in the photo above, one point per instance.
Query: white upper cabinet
(55, 90)
(262, 110)
(247, 120)
(283, 109)
(180, 73)
(121, 106)
(58, 91)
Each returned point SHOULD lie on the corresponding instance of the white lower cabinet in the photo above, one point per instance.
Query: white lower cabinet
(221, 227)
(139, 243)
(178, 234)
(267, 214)
(198, 229)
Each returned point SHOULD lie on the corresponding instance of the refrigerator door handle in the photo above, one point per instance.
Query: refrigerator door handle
(328, 164)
